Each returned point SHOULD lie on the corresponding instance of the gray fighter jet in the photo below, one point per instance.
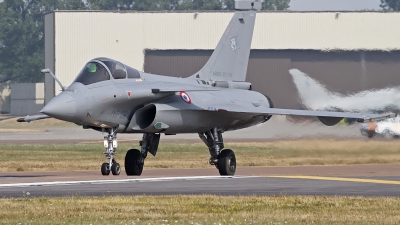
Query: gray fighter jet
(112, 97)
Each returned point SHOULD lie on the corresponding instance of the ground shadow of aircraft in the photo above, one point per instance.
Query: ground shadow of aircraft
(112, 97)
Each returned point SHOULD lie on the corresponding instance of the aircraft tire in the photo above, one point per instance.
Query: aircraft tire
(104, 169)
(227, 163)
(133, 167)
(115, 169)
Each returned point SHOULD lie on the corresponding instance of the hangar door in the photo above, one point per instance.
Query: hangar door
(268, 70)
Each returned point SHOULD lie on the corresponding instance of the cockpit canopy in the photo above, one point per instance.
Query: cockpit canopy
(99, 69)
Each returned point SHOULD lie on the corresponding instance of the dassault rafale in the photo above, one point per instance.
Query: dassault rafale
(109, 96)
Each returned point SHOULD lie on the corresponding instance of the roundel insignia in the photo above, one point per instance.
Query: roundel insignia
(185, 97)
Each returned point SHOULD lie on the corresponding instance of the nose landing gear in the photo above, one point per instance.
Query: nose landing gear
(110, 143)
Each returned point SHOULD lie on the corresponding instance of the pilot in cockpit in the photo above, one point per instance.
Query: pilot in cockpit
(96, 69)
(93, 72)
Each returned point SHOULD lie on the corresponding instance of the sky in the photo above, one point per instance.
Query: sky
(334, 5)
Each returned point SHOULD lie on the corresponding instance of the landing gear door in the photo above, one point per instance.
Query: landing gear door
(153, 143)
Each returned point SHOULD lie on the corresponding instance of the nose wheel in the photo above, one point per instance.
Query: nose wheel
(105, 171)
(115, 169)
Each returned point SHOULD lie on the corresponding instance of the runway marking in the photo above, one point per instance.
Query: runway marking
(59, 183)
(358, 180)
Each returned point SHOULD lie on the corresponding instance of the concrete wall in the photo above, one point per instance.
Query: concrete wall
(26, 98)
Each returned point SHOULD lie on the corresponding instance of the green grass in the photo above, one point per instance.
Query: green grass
(204, 209)
(88, 156)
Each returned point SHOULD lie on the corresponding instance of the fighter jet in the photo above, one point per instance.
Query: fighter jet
(112, 97)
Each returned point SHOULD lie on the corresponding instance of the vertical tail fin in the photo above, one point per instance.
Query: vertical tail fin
(229, 60)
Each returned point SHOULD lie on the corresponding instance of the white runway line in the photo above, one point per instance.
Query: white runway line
(59, 183)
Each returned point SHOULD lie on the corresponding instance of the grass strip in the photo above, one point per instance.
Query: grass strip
(51, 157)
(204, 209)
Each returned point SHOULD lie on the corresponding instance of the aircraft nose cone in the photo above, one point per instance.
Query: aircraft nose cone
(61, 107)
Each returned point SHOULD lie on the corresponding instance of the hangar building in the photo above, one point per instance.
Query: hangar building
(348, 52)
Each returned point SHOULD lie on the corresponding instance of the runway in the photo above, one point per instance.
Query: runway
(360, 180)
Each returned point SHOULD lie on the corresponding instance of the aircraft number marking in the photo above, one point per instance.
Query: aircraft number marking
(222, 74)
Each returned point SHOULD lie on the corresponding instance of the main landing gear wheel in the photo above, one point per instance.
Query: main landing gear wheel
(226, 163)
(104, 169)
(223, 160)
(115, 169)
(133, 163)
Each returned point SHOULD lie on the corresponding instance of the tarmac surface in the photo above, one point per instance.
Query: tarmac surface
(358, 180)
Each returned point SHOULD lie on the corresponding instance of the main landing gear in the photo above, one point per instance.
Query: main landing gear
(224, 160)
(134, 159)
(110, 143)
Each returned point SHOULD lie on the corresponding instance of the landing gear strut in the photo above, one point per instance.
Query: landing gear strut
(134, 159)
(110, 143)
(224, 160)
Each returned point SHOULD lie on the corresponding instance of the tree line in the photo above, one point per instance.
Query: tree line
(22, 27)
